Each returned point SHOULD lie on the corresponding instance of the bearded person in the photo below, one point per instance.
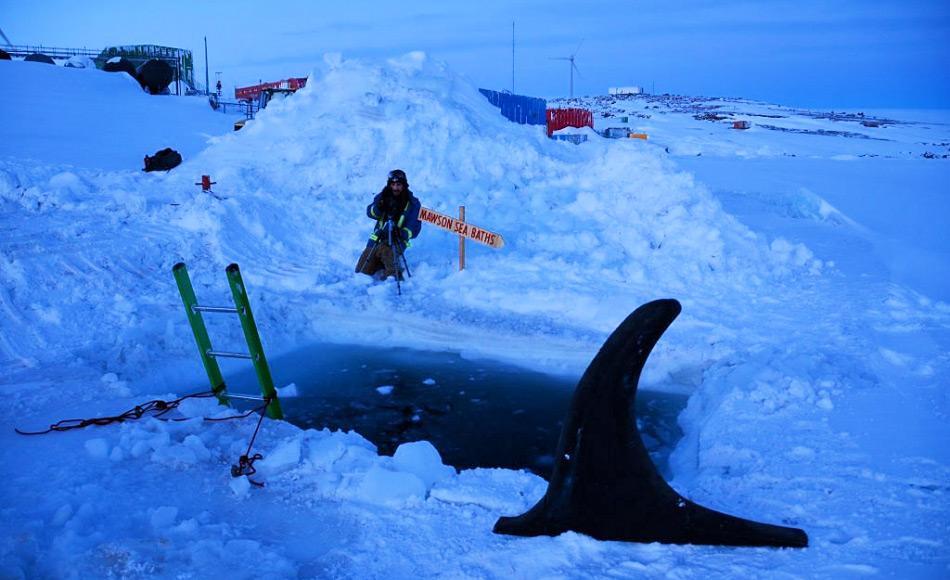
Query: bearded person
(396, 211)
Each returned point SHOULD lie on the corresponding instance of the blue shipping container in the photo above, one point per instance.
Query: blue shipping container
(518, 108)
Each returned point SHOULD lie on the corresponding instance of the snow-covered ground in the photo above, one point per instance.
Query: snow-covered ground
(813, 342)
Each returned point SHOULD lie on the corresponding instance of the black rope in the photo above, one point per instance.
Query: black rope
(245, 464)
(157, 408)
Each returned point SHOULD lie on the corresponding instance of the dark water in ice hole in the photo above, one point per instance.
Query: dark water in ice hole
(477, 413)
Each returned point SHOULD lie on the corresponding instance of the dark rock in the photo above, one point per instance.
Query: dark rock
(119, 64)
(155, 75)
(39, 57)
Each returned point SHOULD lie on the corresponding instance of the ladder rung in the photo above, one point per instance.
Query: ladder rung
(229, 309)
(220, 354)
(245, 397)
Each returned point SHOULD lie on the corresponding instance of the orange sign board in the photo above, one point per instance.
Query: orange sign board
(464, 229)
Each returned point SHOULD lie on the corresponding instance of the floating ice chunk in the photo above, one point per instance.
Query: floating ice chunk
(422, 459)
(385, 389)
(429, 382)
(97, 448)
(287, 391)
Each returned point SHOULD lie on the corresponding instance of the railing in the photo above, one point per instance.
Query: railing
(24, 50)
(248, 108)
(50, 51)
(252, 92)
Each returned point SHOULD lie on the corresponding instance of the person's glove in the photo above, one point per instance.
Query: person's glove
(383, 234)
(404, 237)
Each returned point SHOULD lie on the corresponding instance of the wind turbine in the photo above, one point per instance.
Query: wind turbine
(573, 66)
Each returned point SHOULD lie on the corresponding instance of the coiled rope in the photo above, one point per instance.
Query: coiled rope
(156, 409)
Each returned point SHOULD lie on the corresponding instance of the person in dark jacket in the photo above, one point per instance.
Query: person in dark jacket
(396, 211)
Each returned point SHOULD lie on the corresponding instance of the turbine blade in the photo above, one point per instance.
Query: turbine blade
(578, 46)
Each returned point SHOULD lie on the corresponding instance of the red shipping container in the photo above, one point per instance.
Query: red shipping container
(561, 118)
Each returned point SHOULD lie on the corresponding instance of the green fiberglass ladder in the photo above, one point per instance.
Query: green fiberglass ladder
(242, 308)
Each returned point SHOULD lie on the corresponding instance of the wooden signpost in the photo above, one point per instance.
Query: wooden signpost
(462, 229)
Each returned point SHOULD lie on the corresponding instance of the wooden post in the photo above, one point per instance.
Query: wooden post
(461, 240)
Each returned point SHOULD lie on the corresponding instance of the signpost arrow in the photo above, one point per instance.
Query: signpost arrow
(460, 227)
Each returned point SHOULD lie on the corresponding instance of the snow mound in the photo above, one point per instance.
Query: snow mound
(336, 139)
(291, 194)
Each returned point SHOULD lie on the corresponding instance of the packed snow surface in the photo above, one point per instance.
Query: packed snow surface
(813, 342)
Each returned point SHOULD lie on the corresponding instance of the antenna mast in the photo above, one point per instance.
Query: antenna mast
(207, 88)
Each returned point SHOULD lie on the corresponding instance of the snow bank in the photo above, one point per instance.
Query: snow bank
(88, 118)
(293, 186)
(817, 398)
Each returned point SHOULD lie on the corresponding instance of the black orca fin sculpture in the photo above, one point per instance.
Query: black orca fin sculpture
(604, 483)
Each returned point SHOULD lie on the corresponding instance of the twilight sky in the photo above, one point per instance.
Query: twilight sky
(810, 53)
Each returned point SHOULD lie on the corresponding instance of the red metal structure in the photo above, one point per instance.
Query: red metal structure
(251, 93)
(560, 118)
